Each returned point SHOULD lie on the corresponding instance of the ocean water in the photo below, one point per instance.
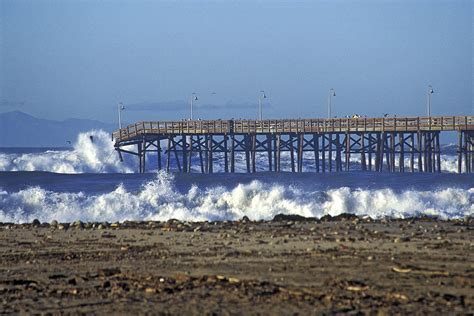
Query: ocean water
(88, 182)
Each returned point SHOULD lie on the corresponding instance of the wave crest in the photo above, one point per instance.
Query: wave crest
(97, 156)
(160, 200)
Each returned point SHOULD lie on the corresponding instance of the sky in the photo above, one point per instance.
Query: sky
(71, 58)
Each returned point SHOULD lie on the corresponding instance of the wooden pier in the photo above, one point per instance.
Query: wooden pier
(398, 144)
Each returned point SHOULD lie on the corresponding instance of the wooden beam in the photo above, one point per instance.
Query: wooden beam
(210, 149)
(184, 153)
(460, 134)
(254, 152)
(226, 153)
(316, 150)
(362, 153)
(292, 154)
(168, 154)
(269, 151)
(323, 152)
(278, 152)
(232, 153)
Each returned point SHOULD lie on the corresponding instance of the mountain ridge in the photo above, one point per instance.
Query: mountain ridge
(19, 129)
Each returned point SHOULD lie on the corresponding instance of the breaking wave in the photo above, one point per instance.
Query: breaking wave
(159, 199)
(97, 156)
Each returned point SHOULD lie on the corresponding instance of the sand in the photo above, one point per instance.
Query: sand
(338, 265)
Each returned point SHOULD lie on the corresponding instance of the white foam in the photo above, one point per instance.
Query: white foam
(160, 200)
(88, 156)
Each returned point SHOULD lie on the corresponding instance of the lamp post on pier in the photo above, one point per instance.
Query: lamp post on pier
(193, 98)
(120, 108)
(260, 100)
(332, 93)
(429, 93)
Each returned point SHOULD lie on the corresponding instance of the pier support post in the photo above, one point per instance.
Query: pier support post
(370, 147)
(226, 155)
(210, 157)
(269, 152)
(438, 153)
(275, 155)
(471, 150)
(339, 149)
(292, 154)
(190, 153)
(412, 152)
(247, 151)
(168, 154)
(459, 151)
(278, 153)
(377, 153)
(158, 153)
(175, 150)
(348, 152)
(143, 155)
(232, 153)
(330, 143)
(323, 153)
(139, 150)
(466, 153)
(392, 152)
(184, 153)
(420, 154)
(299, 138)
(383, 147)
(201, 160)
(254, 152)
(316, 151)
(362, 152)
(401, 155)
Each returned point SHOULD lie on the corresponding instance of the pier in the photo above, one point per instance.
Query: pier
(398, 144)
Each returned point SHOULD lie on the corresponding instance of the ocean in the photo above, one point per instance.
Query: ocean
(88, 182)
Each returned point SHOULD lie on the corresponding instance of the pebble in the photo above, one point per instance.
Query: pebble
(245, 219)
(54, 224)
(78, 224)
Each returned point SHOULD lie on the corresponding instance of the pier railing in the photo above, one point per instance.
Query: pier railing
(336, 125)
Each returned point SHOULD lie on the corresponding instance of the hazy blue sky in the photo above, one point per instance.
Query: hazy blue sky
(61, 59)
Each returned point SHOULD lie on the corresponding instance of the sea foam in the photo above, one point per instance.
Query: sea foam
(93, 152)
(159, 199)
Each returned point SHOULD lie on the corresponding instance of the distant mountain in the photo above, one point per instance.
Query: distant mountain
(18, 129)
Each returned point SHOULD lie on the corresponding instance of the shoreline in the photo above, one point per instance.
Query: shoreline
(284, 266)
(343, 217)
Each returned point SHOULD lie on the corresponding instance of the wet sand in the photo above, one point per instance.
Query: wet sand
(286, 266)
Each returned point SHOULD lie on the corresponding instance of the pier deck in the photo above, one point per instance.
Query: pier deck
(393, 139)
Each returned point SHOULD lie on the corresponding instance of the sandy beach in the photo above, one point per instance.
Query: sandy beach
(285, 266)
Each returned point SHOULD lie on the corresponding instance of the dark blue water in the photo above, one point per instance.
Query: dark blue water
(89, 182)
(102, 183)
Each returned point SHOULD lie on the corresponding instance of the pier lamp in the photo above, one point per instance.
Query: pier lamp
(429, 93)
(332, 93)
(120, 108)
(193, 98)
(260, 100)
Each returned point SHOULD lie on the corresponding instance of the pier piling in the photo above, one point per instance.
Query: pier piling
(379, 142)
